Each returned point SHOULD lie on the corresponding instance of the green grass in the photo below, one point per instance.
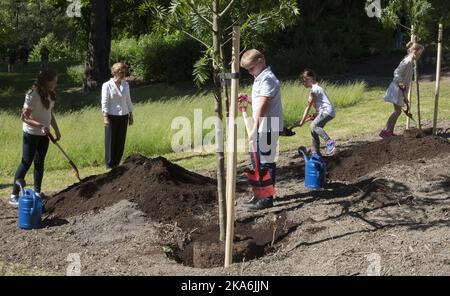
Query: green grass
(359, 110)
(152, 133)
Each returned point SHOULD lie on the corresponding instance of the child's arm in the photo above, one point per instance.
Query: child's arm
(259, 115)
(311, 102)
(25, 116)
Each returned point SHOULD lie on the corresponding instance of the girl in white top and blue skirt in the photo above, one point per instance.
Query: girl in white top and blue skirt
(399, 87)
(37, 116)
(117, 114)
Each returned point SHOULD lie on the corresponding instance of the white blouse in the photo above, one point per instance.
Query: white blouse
(116, 100)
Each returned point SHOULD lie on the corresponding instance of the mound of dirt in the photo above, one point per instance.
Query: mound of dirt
(351, 164)
(164, 191)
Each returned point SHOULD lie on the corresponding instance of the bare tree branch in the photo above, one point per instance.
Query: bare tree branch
(207, 21)
(231, 27)
(195, 38)
(227, 9)
(190, 35)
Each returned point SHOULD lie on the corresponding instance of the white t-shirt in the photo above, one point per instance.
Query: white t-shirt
(323, 102)
(38, 113)
(116, 100)
(267, 85)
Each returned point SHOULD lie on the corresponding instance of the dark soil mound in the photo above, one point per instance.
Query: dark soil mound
(164, 191)
(351, 164)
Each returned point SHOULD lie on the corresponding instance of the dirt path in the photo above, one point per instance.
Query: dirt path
(393, 212)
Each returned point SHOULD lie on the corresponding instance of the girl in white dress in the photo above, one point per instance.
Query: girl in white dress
(399, 87)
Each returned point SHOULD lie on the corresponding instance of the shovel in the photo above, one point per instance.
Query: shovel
(406, 111)
(288, 132)
(74, 167)
(260, 180)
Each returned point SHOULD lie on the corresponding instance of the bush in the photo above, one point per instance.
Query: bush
(157, 58)
(76, 74)
(59, 50)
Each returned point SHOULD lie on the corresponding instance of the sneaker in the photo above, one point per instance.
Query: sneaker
(261, 203)
(250, 200)
(14, 200)
(330, 147)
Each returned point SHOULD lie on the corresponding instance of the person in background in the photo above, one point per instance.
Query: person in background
(399, 87)
(12, 57)
(37, 116)
(45, 53)
(117, 111)
(324, 112)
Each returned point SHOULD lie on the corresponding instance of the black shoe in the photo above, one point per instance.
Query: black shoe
(250, 200)
(261, 203)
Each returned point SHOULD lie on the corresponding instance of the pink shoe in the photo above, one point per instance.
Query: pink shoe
(384, 134)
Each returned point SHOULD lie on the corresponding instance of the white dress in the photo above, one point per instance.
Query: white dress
(403, 74)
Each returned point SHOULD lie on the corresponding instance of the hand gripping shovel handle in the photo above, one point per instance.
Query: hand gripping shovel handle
(247, 127)
(288, 132)
(407, 113)
(74, 167)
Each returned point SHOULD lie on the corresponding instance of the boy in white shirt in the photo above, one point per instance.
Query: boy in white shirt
(267, 115)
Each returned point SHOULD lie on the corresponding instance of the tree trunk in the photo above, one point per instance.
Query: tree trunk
(99, 46)
(219, 130)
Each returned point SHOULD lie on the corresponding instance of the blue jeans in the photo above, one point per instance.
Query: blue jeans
(272, 166)
(34, 150)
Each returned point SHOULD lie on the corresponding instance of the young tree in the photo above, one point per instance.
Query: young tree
(210, 22)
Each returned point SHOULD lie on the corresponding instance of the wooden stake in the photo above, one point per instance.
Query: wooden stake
(438, 80)
(416, 78)
(408, 121)
(416, 75)
(232, 147)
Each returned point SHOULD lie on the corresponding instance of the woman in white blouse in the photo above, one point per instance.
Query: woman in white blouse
(117, 114)
(399, 87)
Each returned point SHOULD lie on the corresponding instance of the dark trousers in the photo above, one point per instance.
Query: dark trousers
(34, 149)
(272, 166)
(115, 135)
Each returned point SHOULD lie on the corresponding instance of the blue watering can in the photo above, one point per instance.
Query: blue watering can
(30, 208)
(315, 170)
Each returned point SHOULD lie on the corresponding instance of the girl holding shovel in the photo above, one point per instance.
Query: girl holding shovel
(37, 116)
(324, 112)
(399, 87)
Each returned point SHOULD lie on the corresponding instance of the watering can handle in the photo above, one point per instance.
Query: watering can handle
(35, 204)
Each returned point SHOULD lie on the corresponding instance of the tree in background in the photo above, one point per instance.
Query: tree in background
(99, 45)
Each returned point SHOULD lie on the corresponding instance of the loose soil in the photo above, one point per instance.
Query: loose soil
(386, 197)
(354, 163)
